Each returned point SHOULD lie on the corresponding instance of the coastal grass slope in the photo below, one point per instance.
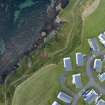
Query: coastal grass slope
(94, 24)
(40, 89)
(69, 33)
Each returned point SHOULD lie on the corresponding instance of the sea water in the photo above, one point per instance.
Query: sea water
(15, 14)
(20, 21)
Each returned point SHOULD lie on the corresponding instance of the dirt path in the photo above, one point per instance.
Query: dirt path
(90, 9)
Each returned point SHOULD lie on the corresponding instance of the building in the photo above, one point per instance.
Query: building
(100, 102)
(79, 59)
(64, 97)
(101, 77)
(94, 44)
(98, 65)
(76, 79)
(102, 38)
(67, 64)
(90, 97)
(55, 103)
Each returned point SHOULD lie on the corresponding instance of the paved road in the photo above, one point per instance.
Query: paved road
(71, 93)
(92, 81)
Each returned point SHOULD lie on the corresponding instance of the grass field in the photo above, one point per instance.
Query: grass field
(93, 25)
(44, 86)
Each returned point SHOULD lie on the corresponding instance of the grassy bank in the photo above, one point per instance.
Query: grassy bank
(93, 25)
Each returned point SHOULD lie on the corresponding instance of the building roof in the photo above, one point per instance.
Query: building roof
(55, 103)
(79, 59)
(101, 77)
(67, 64)
(98, 65)
(102, 38)
(64, 97)
(76, 79)
(91, 96)
(93, 44)
(101, 102)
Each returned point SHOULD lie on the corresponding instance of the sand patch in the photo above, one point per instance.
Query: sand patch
(89, 9)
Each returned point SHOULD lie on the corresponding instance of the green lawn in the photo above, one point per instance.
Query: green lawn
(93, 25)
(82, 102)
(40, 89)
(2, 104)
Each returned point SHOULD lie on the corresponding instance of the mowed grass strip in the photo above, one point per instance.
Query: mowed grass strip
(93, 25)
(40, 89)
(2, 104)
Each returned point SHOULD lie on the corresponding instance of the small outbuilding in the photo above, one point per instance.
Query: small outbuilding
(79, 59)
(76, 79)
(98, 65)
(64, 97)
(67, 64)
(94, 44)
(55, 103)
(100, 102)
(101, 77)
(102, 38)
(90, 96)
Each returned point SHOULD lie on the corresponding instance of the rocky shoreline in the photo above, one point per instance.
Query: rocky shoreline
(51, 23)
